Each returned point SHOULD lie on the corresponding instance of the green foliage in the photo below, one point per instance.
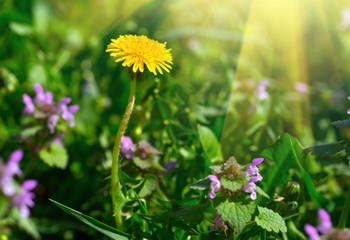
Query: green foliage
(201, 184)
(270, 220)
(210, 144)
(342, 124)
(325, 149)
(56, 156)
(232, 184)
(93, 223)
(237, 215)
(149, 185)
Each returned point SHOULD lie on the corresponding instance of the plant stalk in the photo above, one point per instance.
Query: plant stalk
(345, 212)
(115, 155)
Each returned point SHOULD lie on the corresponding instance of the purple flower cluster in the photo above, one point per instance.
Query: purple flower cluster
(325, 228)
(127, 147)
(47, 109)
(349, 108)
(232, 169)
(24, 198)
(250, 186)
(143, 149)
(218, 222)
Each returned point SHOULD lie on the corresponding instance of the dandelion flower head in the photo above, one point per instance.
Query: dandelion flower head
(138, 51)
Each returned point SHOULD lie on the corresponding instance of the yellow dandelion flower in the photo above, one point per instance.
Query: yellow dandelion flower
(136, 51)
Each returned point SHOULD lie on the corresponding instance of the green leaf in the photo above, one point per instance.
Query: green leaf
(281, 154)
(126, 180)
(342, 124)
(285, 154)
(232, 184)
(325, 149)
(150, 184)
(95, 224)
(261, 192)
(24, 223)
(211, 146)
(56, 156)
(120, 198)
(201, 184)
(236, 214)
(20, 28)
(143, 163)
(192, 214)
(28, 132)
(270, 220)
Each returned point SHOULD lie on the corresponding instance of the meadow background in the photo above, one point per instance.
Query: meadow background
(222, 50)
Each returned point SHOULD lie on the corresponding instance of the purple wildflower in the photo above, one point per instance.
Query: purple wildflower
(67, 112)
(48, 109)
(325, 229)
(29, 106)
(252, 168)
(218, 222)
(301, 87)
(52, 122)
(127, 147)
(250, 186)
(312, 232)
(24, 200)
(215, 186)
(170, 165)
(261, 89)
(40, 96)
(146, 149)
(349, 108)
(325, 225)
(8, 171)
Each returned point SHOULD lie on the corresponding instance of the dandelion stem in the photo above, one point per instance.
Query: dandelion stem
(115, 156)
(345, 212)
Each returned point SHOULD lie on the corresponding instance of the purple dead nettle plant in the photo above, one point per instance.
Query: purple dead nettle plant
(20, 197)
(325, 229)
(143, 155)
(43, 107)
(231, 171)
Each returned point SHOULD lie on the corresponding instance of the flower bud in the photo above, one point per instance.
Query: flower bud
(291, 191)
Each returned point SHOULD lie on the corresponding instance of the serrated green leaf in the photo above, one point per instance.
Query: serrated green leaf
(150, 184)
(325, 149)
(201, 184)
(95, 224)
(211, 146)
(232, 184)
(56, 156)
(270, 220)
(342, 124)
(236, 214)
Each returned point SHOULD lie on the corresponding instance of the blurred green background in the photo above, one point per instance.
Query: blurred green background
(221, 49)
